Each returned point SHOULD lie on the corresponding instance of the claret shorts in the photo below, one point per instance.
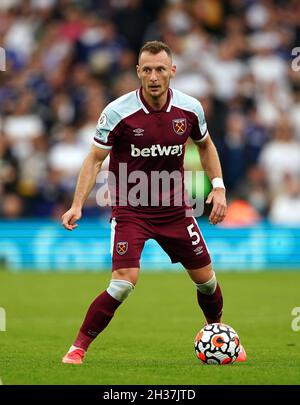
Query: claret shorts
(180, 237)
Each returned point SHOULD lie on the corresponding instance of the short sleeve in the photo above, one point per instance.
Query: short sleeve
(106, 129)
(200, 131)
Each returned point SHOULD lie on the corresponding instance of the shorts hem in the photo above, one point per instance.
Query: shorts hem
(197, 264)
(125, 264)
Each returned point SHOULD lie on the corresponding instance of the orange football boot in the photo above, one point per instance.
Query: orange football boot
(242, 355)
(74, 357)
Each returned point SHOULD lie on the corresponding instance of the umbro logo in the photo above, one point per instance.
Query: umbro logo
(198, 250)
(138, 132)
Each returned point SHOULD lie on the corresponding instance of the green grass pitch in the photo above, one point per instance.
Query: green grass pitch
(150, 340)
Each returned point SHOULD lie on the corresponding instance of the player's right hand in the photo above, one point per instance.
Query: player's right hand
(70, 217)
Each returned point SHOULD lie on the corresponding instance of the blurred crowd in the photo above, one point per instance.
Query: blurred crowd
(66, 59)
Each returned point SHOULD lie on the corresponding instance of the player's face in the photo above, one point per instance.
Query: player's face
(155, 72)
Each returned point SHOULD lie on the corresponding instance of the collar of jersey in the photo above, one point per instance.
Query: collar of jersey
(148, 109)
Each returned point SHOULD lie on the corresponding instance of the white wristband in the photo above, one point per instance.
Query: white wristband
(217, 182)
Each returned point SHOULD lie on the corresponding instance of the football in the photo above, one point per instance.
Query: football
(217, 343)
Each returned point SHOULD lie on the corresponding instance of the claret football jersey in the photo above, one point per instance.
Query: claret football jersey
(147, 151)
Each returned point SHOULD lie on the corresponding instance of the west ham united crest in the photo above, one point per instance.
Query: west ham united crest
(122, 248)
(179, 126)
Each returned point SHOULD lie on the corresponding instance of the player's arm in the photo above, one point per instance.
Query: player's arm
(85, 183)
(211, 164)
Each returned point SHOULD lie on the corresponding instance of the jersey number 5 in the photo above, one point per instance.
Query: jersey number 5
(193, 233)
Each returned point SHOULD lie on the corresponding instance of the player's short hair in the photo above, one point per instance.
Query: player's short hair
(155, 47)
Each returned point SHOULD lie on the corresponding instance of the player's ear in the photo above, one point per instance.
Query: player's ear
(173, 70)
(138, 71)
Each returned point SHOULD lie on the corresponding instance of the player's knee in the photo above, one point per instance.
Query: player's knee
(208, 287)
(120, 289)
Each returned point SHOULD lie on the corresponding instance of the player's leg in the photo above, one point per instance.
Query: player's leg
(209, 294)
(127, 242)
(182, 240)
(102, 309)
(210, 298)
(101, 312)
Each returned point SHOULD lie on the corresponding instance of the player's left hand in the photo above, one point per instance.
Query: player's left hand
(218, 212)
